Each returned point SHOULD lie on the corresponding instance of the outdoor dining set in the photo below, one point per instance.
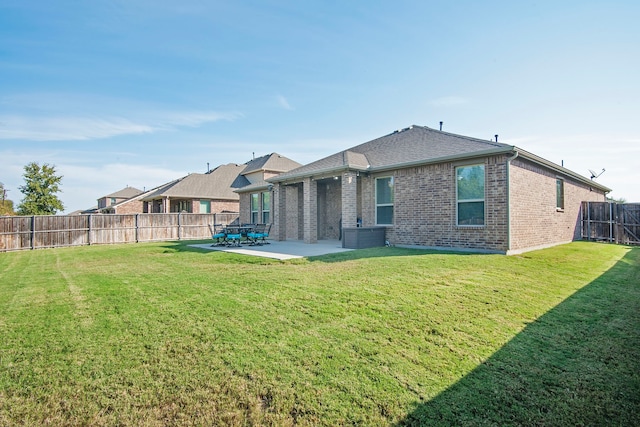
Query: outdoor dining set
(235, 235)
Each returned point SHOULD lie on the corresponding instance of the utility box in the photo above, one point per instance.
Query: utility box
(363, 237)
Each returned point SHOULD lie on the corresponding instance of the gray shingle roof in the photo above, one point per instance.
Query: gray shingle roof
(412, 145)
(219, 183)
(125, 193)
(273, 162)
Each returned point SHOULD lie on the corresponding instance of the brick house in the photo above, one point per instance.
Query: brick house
(211, 192)
(105, 203)
(435, 189)
(255, 195)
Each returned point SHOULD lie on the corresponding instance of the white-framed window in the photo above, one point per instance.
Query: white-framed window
(470, 195)
(255, 208)
(384, 200)
(266, 207)
(559, 193)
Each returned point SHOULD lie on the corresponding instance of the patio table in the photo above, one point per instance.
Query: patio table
(235, 233)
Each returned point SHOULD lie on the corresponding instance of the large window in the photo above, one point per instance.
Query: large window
(266, 207)
(255, 208)
(181, 206)
(559, 193)
(384, 201)
(470, 194)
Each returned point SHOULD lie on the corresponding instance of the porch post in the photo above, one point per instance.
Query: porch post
(310, 207)
(279, 212)
(349, 199)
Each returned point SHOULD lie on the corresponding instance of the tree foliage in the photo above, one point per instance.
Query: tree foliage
(6, 205)
(40, 190)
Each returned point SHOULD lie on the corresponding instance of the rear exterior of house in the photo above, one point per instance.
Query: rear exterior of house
(434, 189)
(256, 204)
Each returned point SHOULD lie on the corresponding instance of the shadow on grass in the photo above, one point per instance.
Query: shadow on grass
(186, 246)
(579, 364)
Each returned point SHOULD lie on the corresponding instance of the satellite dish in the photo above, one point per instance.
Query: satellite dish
(594, 175)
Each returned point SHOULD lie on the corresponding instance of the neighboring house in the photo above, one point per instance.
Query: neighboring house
(435, 189)
(132, 205)
(117, 197)
(211, 192)
(255, 197)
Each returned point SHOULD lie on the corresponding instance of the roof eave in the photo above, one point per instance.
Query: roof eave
(318, 174)
(249, 189)
(560, 169)
(444, 159)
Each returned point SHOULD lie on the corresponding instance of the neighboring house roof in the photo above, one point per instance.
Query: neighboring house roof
(218, 183)
(273, 162)
(413, 146)
(125, 193)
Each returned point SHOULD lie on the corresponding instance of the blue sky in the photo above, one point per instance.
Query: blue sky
(140, 92)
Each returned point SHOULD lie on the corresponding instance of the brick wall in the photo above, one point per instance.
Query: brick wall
(244, 208)
(218, 206)
(425, 207)
(310, 210)
(330, 209)
(535, 220)
(132, 207)
(287, 212)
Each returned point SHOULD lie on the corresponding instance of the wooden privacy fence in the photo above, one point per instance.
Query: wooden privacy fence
(611, 222)
(35, 232)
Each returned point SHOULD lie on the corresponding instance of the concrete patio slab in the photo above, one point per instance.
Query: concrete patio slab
(282, 250)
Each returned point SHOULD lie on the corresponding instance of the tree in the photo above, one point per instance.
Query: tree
(6, 205)
(40, 190)
(620, 200)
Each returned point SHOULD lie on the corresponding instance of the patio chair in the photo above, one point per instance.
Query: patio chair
(233, 235)
(259, 234)
(218, 235)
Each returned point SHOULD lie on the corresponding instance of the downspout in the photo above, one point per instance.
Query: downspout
(508, 164)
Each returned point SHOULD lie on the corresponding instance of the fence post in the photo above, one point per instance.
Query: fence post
(33, 232)
(610, 222)
(589, 221)
(136, 225)
(179, 231)
(89, 230)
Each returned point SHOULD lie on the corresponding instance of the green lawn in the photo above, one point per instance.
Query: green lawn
(162, 334)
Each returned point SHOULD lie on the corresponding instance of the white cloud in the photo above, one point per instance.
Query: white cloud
(79, 128)
(67, 128)
(282, 101)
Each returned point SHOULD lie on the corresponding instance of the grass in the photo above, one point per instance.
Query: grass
(163, 334)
